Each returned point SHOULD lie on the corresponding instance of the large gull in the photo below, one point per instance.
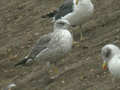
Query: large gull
(50, 47)
(76, 12)
(53, 46)
(111, 56)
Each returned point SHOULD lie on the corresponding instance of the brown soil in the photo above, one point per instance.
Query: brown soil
(21, 25)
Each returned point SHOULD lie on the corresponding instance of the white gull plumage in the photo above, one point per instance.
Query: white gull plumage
(75, 11)
(81, 12)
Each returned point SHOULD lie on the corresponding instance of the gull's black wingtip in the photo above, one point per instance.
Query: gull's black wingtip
(49, 15)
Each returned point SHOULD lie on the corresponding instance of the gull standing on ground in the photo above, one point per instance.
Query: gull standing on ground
(111, 56)
(52, 46)
(77, 12)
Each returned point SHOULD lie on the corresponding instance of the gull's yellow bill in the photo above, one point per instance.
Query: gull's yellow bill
(77, 2)
(104, 65)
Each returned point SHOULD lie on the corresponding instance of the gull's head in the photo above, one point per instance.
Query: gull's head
(107, 52)
(81, 1)
(61, 24)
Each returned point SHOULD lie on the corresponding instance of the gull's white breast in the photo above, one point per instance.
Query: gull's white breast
(114, 66)
(65, 40)
(81, 13)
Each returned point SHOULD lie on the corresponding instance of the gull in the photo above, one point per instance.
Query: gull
(111, 56)
(52, 46)
(77, 12)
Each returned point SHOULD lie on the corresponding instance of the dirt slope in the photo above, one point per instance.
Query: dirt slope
(21, 25)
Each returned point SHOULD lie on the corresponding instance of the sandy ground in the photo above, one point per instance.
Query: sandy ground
(20, 27)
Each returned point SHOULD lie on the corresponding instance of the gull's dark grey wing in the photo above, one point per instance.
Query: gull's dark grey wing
(64, 9)
(41, 45)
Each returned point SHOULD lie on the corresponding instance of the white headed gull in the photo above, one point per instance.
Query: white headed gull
(111, 56)
(77, 12)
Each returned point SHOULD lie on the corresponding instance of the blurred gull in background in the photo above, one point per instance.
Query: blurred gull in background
(77, 12)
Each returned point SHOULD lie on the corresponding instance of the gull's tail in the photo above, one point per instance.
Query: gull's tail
(49, 14)
(23, 61)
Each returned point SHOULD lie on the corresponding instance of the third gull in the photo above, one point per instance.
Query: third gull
(111, 55)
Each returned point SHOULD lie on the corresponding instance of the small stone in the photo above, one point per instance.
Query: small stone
(63, 60)
(9, 50)
(92, 70)
(82, 77)
(36, 34)
(63, 81)
(98, 76)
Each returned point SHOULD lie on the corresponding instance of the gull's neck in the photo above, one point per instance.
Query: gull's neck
(59, 28)
(82, 2)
